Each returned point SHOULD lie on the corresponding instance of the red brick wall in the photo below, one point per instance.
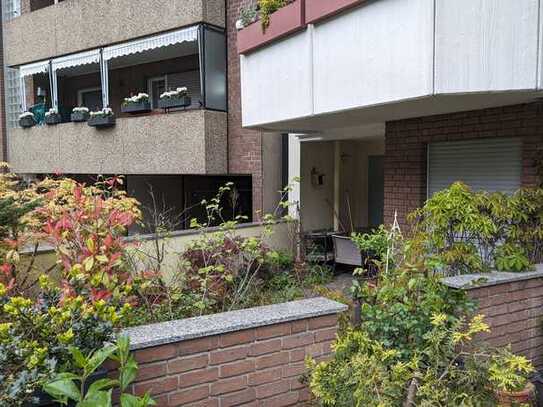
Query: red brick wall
(254, 367)
(406, 147)
(244, 146)
(513, 310)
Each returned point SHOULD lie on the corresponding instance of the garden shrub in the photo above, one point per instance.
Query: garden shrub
(462, 231)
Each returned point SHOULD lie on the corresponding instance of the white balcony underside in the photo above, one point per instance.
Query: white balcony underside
(393, 59)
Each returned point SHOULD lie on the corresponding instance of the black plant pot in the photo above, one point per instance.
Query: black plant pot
(135, 108)
(79, 117)
(53, 119)
(27, 122)
(45, 400)
(101, 121)
(169, 103)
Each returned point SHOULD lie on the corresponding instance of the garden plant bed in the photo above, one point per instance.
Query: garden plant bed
(283, 22)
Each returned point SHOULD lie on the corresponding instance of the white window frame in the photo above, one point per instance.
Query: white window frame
(80, 93)
(150, 87)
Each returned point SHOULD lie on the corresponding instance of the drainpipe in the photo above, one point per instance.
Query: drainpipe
(337, 180)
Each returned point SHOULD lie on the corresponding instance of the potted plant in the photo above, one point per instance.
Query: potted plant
(27, 120)
(52, 117)
(509, 375)
(80, 114)
(102, 118)
(175, 98)
(136, 104)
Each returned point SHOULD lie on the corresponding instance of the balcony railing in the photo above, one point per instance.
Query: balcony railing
(193, 58)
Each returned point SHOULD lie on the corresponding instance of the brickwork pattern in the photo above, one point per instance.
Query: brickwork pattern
(254, 367)
(406, 144)
(513, 311)
(244, 146)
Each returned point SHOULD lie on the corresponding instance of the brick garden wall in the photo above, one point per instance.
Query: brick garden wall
(260, 366)
(244, 146)
(406, 144)
(513, 308)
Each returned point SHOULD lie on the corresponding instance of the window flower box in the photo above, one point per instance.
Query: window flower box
(102, 118)
(283, 22)
(27, 120)
(175, 98)
(80, 114)
(136, 104)
(52, 117)
(316, 10)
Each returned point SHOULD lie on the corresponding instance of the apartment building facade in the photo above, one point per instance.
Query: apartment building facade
(389, 101)
(64, 54)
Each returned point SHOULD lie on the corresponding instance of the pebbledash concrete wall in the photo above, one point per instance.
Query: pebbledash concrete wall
(406, 143)
(252, 357)
(512, 304)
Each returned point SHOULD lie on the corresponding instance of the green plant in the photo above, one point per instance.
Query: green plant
(67, 386)
(248, 15)
(267, 8)
(447, 369)
(462, 231)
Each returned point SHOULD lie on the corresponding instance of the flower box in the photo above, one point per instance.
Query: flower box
(79, 117)
(52, 119)
(27, 121)
(134, 108)
(316, 10)
(101, 121)
(169, 103)
(283, 22)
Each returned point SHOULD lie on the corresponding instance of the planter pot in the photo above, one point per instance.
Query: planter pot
(44, 400)
(171, 103)
(101, 121)
(27, 122)
(316, 10)
(53, 119)
(283, 22)
(135, 108)
(516, 398)
(79, 117)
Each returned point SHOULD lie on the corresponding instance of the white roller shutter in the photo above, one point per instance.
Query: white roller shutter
(493, 165)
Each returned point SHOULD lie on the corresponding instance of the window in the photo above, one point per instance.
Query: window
(13, 97)
(156, 86)
(493, 165)
(91, 98)
(11, 9)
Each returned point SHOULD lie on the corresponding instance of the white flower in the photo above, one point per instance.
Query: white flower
(51, 112)
(26, 114)
(178, 93)
(139, 98)
(80, 109)
(106, 111)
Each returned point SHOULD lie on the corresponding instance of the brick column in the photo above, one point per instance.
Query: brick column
(244, 146)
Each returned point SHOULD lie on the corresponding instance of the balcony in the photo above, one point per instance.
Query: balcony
(184, 142)
(71, 25)
(189, 138)
(367, 62)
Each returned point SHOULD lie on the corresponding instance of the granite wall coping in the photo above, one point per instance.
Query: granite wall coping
(146, 336)
(478, 280)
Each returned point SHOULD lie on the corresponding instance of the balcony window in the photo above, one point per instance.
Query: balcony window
(193, 57)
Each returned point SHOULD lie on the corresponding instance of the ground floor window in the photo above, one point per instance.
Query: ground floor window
(493, 165)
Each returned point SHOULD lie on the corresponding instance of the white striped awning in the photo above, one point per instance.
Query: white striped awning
(34, 68)
(149, 43)
(81, 58)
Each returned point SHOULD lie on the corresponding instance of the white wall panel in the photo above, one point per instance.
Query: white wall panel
(375, 54)
(276, 81)
(486, 45)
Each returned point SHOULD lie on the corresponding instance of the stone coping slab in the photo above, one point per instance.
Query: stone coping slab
(146, 336)
(478, 280)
